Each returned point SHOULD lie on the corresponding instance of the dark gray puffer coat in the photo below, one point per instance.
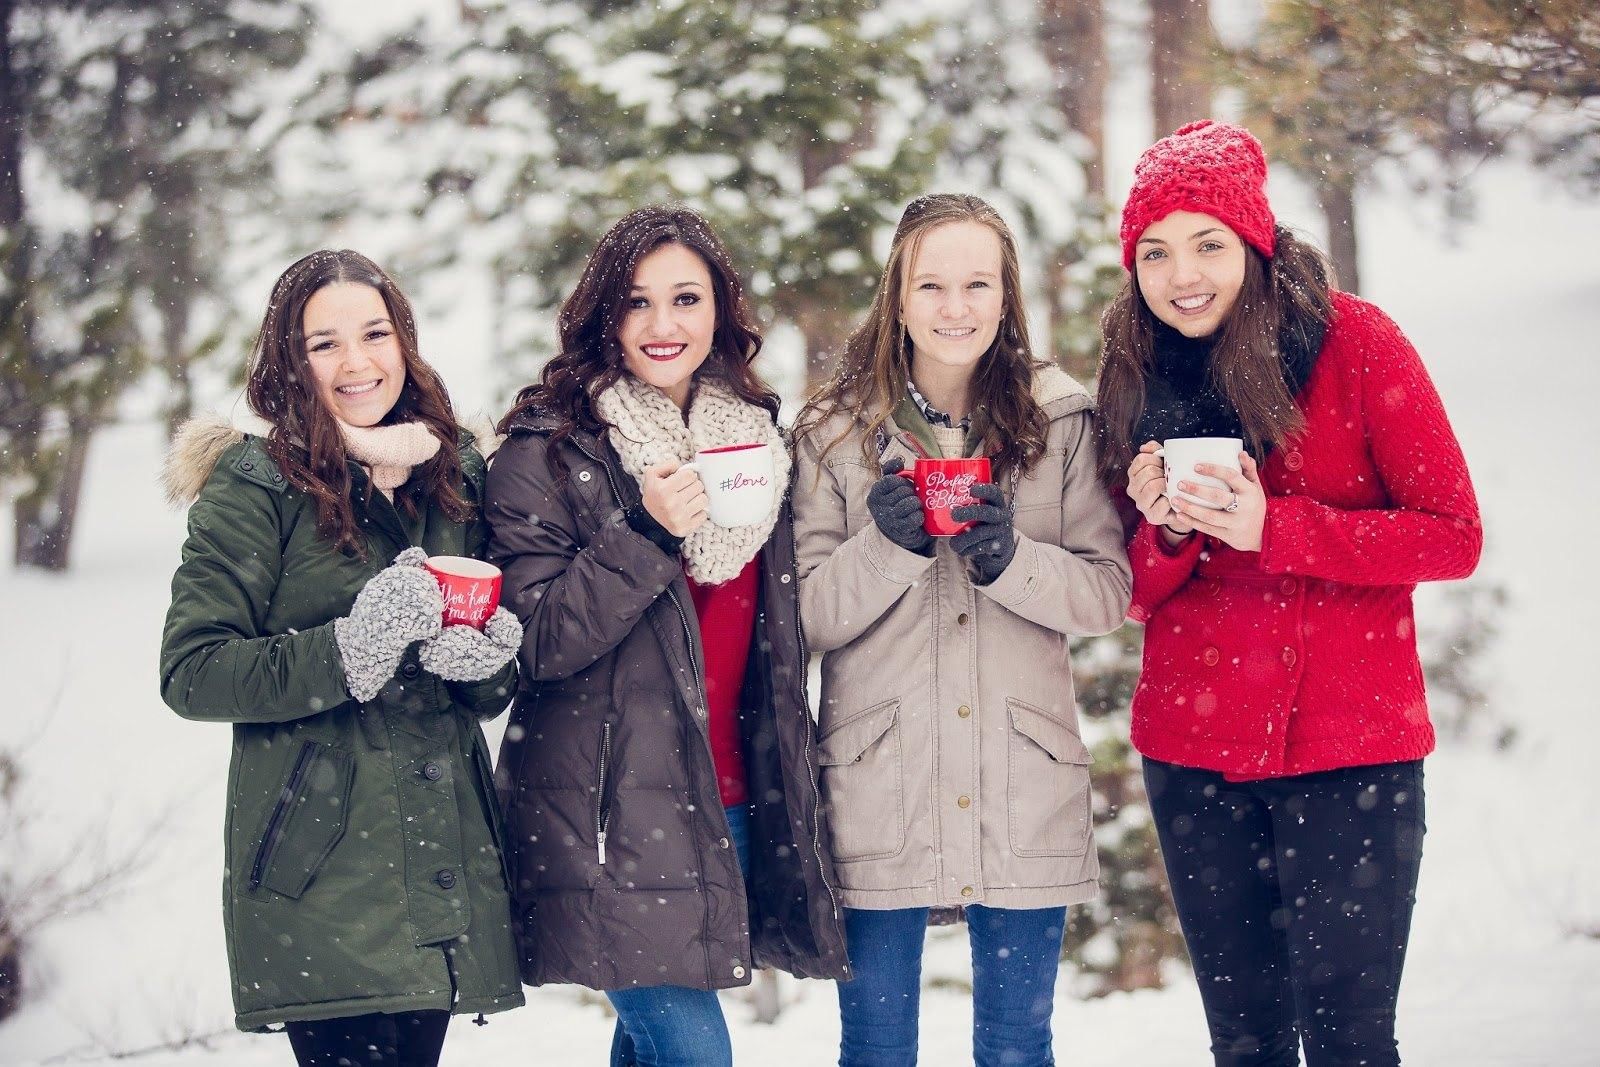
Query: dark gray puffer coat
(608, 735)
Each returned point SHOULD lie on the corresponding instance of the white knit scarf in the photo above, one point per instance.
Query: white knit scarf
(647, 428)
(389, 452)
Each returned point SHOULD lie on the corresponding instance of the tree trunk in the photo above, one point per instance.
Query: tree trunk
(1337, 198)
(1181, 44)
(44, 516)
(174, 315)
(1072, 34)
(16, 255)
(825, 330)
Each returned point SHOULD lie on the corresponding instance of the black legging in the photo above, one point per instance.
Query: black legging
(1295, 896)
(403, 1039)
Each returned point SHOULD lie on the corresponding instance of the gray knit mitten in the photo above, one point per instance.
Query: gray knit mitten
(398, 605)
(468, 654)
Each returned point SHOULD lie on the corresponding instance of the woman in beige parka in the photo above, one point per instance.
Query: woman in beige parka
(950, 755)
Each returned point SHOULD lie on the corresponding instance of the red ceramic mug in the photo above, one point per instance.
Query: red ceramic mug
(471, 588)
(944, 484)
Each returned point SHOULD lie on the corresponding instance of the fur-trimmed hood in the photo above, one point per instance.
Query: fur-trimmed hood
(194, 452)
(200, 443)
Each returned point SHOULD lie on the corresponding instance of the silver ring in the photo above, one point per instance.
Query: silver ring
(1233, 505)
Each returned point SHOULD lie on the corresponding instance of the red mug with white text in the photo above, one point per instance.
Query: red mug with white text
(471, 588)
(943, 484)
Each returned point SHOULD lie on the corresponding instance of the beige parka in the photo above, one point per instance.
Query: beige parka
(949, 750)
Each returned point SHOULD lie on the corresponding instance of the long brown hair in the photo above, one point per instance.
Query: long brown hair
(876, 364)
(590, 359)
(1246, 360)
(305, 440)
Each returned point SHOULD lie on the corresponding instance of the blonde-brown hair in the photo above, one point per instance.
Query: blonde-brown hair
(872, 373)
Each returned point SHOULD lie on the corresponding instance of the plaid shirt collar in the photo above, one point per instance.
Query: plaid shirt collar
(934, 416)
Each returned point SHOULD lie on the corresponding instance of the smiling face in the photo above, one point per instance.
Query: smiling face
(953, 298)
(1190, 269)
(670, 320)
(353, 351)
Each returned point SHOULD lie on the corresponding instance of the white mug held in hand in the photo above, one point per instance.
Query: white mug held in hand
(739, 482)
(1180, 454)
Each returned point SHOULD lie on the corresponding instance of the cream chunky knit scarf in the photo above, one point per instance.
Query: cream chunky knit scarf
(647, 428)
(389, 452)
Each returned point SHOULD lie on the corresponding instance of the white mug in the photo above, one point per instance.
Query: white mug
(739, 481)
(1180, 454)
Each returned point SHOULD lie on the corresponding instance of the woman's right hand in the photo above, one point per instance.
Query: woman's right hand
(896, 509)
(674, 497)
(398, 605)
(1147, 488)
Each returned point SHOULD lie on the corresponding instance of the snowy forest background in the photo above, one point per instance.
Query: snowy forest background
(161, 163)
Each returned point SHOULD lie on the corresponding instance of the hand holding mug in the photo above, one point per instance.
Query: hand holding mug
(674, 497)
(991, 542)
(897, 510)
(1236, 515)
(1147, 488)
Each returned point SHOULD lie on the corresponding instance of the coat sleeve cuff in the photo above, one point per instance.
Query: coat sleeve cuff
(894, 563)
(1019, 582)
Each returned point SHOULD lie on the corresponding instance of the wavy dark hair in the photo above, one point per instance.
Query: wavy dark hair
(872, 373)
(590, 358)
(1291, 289)
(305, 440)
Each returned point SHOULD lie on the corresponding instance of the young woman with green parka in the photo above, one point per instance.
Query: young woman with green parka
(365, 896)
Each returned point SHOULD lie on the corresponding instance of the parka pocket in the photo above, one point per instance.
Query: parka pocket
(1047, 801)
(307, 820)
(862, 771)
(490, 801)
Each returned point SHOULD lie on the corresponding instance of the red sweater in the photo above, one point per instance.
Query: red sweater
(727, 620)
(1303, 656)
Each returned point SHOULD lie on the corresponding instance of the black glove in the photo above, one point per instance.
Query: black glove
(897, 511)
(990, 544)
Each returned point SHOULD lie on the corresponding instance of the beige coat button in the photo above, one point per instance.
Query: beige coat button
(963, 711)
(963, 802)
(966, 890)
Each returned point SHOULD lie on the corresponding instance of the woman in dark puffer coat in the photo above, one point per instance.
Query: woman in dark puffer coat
(658, 774)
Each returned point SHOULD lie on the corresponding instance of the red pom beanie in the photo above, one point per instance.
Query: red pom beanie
(1208, 167)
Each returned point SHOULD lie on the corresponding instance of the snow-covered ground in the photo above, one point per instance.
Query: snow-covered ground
(1506, 320)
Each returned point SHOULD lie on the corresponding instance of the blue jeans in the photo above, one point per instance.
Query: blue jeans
(1015, 954)
(674, 1026)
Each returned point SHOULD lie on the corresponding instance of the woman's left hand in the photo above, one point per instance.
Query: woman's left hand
(1236, 526)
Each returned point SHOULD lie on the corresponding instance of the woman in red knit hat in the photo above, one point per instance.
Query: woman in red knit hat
(1280, 711)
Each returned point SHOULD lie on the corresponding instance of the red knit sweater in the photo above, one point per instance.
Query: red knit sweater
(727, 620)
(1303, 656)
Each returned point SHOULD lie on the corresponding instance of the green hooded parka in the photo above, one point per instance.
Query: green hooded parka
(364, 870)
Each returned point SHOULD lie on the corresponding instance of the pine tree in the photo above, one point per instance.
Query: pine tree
(786, 125)
(120, 165)
(1336, 87)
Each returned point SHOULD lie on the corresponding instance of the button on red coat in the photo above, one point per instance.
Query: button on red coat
(1294, 461)
(1288, 657)
(1211, 657)
(1288, 586)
